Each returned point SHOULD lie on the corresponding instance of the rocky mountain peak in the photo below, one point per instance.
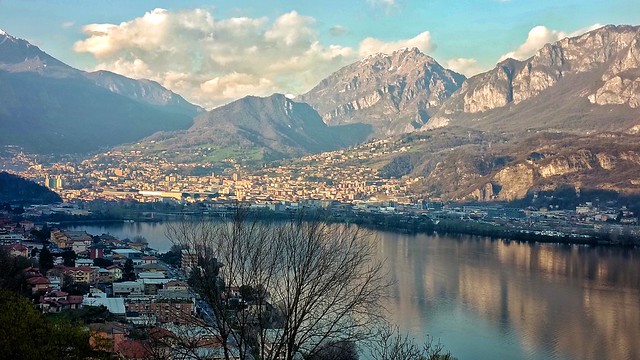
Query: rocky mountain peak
(395, 92)
(600, 67)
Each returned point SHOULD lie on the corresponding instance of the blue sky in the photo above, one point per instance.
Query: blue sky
(213, 52)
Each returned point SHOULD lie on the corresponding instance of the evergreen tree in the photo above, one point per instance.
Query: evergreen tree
(69, 258)
(26, 334)
(128, 273)
(46, 260)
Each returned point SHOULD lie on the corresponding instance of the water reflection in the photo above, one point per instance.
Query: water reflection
(490, 299)
(554, 301)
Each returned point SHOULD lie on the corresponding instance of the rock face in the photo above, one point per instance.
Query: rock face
(561, 81)
(492, 89)
(47, 106)
(577, 162)
(394, 93)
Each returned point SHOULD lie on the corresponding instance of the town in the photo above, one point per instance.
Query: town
(119, 288)
(330, 181)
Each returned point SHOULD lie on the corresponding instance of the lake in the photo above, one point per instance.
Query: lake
(495, 299)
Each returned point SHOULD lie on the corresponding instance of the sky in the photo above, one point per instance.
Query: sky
(213, 52)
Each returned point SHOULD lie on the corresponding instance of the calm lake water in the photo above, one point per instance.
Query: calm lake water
(491, 299)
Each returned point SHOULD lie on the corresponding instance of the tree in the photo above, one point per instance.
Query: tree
(11, 272)
(46, 260)
(69, 258)
(322, 283)
(102, 262)
(390, 344)
(41, 235)
(26, 334)
(128, 273)
(172, 257)
(340, 350)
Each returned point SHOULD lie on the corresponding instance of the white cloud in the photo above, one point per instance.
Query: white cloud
(466, 66)
(236, 85)
(370, 46)
(382, 3)
(213, 61)
(538, 37)
(68, 24)
(338, 30)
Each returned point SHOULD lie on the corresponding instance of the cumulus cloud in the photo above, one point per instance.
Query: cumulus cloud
(370, 46)
(213, 61)
(466, 66)
(538, 37)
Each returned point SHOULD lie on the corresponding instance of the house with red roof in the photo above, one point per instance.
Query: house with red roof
(38, 283)
(107, 336)
(56, 301)
(135, 349)
(17, 250)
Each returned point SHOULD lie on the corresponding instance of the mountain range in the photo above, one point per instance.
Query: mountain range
(395, 93)
(47, 106)
(569, 116)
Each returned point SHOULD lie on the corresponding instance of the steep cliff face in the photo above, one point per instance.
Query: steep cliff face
(561, 80)
(480, 166)
(492, 90)
(578, 162)
(394, 93)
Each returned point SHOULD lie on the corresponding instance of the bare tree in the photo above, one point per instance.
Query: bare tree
(306, 283)
(391, 344)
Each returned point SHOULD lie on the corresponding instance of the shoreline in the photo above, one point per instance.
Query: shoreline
(395, 223)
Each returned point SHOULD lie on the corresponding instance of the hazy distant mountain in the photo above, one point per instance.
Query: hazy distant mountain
(144, 91)
(47, 106)
(394, 93)
(585, 83)
(257, 128)
(14, 189)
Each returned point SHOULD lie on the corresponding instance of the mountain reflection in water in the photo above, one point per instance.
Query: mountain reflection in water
(491, 299)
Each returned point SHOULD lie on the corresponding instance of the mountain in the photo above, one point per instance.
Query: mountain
(49, 107)
(14, 189)
(144, 91)
(580, 84)
(395, 93)
(256, 128)
(562, 124)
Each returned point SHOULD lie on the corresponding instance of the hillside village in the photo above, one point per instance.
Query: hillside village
(122, 280)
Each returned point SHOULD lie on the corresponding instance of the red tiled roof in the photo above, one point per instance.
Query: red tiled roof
(75, 299)
(38, 280)
(158, 333)
(134, 349)
(56, 294)
(18, 247)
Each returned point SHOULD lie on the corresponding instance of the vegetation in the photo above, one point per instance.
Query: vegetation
(26, 334)
(128, 273)
(46, 260)
(311, 283)
(173, 256)
(101, 262)
(11, 276)
(14, 189)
